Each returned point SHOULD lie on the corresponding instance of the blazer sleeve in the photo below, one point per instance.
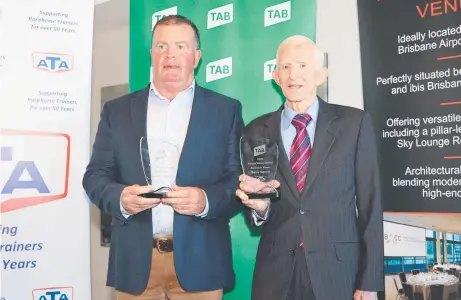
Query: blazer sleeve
(223, 203)
(99, 180)
(369, 206)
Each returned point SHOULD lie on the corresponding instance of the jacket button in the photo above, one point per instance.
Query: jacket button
(292, 252)
(302, 211)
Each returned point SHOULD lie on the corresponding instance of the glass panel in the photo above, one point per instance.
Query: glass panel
(451, 258)
(457, 252)
(430, 250)
(442, 253)
(392, 265)
(430, 233)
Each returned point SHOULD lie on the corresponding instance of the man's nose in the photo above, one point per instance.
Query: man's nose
(170, 53)
(294, 72)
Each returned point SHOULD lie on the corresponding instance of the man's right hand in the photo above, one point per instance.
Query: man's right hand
(249, 184)
(133, 203)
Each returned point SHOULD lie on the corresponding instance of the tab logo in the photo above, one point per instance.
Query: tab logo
(277, 14)
(157, 16)
(220, 16)
(219, 69)
(56, 293)
(269, 67)
(32, 174)
(260, 150)
(53, 62)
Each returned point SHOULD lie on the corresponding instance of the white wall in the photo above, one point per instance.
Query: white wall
(338, 35)
(107, 71)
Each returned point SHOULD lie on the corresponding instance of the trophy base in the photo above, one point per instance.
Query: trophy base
(160, 195)
(274, 196)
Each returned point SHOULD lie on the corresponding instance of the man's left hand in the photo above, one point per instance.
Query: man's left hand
(186, 200)
(362, 295)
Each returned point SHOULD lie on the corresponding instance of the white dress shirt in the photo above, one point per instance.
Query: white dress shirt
(167, 124)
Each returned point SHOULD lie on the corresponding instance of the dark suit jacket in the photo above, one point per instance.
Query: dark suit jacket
(344, 251)
(209, 160)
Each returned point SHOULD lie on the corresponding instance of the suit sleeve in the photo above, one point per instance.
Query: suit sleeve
(223, 203)
(99, 180)
(369, 206)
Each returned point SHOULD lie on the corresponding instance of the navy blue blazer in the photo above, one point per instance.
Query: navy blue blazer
(209, 160)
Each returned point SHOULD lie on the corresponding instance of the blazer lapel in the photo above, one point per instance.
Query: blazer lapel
(273, 124)
(194, 140)
(325, 134)
(139, 113)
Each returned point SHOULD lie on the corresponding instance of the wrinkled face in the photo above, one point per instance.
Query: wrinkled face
(174, 56)
(298, 73)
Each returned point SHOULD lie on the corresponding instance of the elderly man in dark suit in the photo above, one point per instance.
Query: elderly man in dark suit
(323, 239)
(178, 247)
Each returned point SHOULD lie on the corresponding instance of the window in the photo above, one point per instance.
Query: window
(442, 252)
(394, 265)
(454, 249)
(430, 250)
(431, 246)
(450, 252)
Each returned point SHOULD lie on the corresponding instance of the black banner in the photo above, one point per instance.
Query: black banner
(411, 69)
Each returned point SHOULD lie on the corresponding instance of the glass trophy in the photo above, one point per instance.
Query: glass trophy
(259, 158)
(159, 161)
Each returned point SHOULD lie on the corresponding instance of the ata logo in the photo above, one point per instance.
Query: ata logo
(220, 16)
(219, 69)
(277, 14)
(35, 168)
(269, 67)
(157, 16)
(55, 293)
(53, 62)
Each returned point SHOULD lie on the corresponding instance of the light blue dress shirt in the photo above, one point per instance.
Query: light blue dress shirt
(288, 130)
(288, 134)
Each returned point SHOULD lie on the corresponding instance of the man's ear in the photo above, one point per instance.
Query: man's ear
(320, 76)
(275, 76)
(198, 55)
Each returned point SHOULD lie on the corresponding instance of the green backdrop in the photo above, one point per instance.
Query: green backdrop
(239, 39)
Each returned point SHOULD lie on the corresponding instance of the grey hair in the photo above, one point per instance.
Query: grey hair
(319, 55)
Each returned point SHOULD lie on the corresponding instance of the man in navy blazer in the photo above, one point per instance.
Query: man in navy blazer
(178, 247)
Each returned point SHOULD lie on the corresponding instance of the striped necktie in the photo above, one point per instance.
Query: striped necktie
(300, 149)
(300, 152)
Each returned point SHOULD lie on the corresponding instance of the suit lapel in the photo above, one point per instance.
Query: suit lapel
(138, 112)
(273, 124)
(325, 134)
(194, 138)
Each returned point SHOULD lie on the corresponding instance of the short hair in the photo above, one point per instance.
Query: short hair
(178, 20)
(319, 55)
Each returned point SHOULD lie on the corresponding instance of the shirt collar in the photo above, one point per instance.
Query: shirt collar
(189, 90)
(288, 114)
